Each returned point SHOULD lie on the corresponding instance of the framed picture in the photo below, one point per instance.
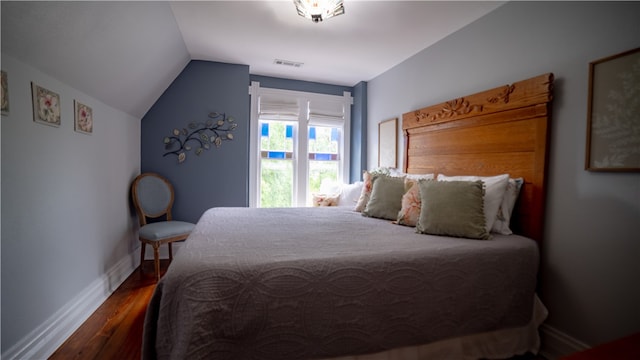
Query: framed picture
(613, 120)
(387, 143)
(83, 118)
(4, 92)
(46, 106)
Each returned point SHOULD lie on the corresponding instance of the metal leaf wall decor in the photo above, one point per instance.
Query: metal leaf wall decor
(200, 136)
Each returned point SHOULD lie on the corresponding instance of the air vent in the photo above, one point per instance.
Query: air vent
(288, 63)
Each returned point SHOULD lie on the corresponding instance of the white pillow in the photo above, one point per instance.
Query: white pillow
(330, 187)
(398, 173)
(395, 172)
(419, 176)
(503, 218)
(494, 189)
(350, 194)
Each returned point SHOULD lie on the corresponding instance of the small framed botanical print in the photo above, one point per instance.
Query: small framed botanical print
(387, 143)
(4, 92)
(613, 121)
(83, 118)
(46, 106)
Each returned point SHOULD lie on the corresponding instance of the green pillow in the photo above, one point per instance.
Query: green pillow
(452, 208)
(386, 197)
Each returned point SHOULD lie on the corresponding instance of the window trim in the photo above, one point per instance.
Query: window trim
(304, 99)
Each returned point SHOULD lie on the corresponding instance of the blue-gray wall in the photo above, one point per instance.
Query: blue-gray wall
(590, 270)
(297, 85)
(359, 132)
(219, 176)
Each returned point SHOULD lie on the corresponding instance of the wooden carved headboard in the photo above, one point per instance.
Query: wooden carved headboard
(498, 131)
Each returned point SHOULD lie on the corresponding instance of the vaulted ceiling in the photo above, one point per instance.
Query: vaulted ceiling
(125, 54)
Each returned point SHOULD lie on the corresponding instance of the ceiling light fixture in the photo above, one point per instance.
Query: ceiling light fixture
(318, 10)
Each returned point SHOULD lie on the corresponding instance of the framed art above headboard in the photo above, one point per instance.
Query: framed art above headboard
(498, 131)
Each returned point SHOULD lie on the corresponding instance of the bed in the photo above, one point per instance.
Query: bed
(330, 283)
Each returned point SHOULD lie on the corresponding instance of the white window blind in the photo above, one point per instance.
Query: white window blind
(278, 108)
(326, 112)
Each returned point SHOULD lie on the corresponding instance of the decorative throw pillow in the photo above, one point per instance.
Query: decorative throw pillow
(503, 218)
(411, 203)
(495, 187)
(452, 208)
(386, 197)
(400, 173)
(367, 176)
(325, 200)
(366, 191)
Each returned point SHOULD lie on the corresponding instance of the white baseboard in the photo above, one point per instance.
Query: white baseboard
(556, 344)
(46, 338)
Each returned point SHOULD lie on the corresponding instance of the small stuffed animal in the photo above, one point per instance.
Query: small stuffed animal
(325, 200)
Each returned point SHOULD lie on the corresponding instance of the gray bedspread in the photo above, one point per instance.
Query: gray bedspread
(306, 283)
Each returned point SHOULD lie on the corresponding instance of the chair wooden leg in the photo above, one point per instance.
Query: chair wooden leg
(156, 259)
(142, 251)
(170, 252)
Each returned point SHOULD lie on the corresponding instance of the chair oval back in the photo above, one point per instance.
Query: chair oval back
(152, 196)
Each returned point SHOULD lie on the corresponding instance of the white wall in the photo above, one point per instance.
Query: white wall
(590, 268)
(66, 218)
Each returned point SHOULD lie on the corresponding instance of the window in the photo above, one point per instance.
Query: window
(324, 156)
(298, 141)
(276, 163)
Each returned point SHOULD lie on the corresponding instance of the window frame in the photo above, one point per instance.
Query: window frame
(301, 169)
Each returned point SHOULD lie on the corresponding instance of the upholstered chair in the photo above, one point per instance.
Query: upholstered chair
(153, 197)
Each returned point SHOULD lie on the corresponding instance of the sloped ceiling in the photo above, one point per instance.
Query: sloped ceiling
(127, 53)
(124, 54)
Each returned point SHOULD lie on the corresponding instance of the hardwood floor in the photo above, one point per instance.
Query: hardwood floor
(114, 331)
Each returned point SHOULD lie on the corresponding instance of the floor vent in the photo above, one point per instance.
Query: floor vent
(288, 63)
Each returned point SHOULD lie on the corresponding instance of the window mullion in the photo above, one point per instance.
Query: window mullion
(302, 159)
